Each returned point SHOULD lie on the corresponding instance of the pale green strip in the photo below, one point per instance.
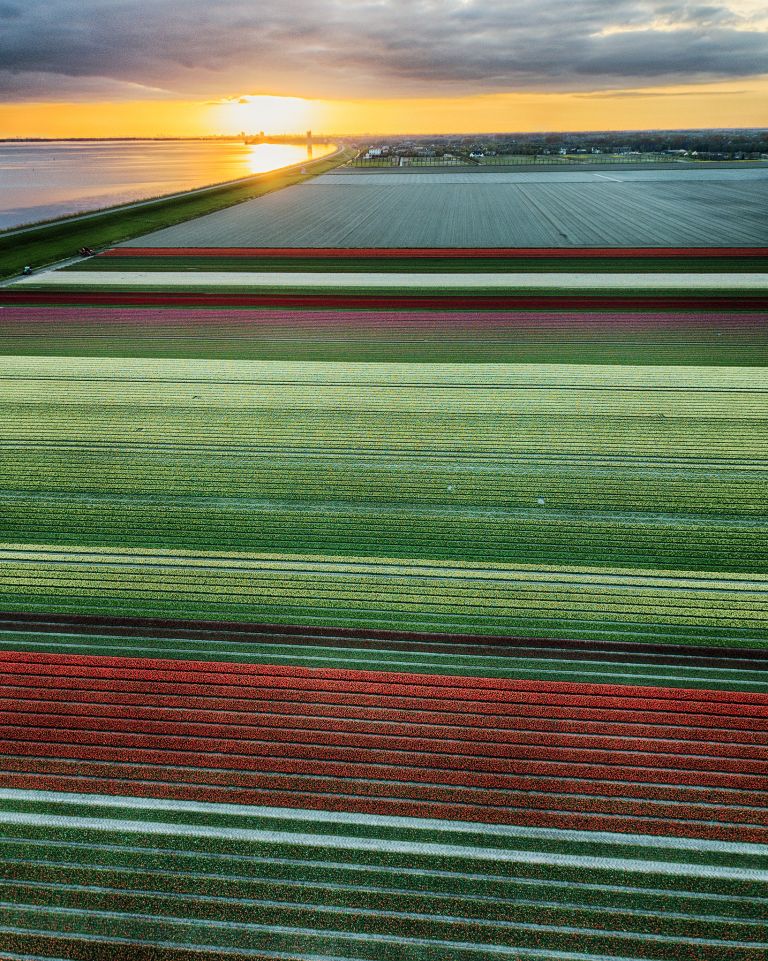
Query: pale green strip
(388, 566)
(126, 369)
(441, 281)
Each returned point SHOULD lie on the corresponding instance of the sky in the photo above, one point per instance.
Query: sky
(167, 67)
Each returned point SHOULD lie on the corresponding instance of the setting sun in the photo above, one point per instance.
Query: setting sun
(252, 114)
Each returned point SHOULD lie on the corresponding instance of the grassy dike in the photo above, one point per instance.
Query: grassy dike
(57, 240)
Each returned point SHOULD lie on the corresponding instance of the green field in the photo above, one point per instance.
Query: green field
(622, 502)
(734, 339)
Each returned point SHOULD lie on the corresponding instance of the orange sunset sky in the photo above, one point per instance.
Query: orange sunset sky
(711, 105)
(91, 69)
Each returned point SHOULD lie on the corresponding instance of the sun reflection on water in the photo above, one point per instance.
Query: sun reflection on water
(262, 157)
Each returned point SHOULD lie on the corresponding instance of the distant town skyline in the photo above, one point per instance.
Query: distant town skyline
(93, 68)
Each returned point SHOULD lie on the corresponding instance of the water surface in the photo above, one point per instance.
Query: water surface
(39, 181)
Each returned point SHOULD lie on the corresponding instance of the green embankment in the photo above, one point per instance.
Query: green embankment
(58, 240)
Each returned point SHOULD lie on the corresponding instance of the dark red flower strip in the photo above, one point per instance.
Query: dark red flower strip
(380, 322)
(391, 301)
(395, 253)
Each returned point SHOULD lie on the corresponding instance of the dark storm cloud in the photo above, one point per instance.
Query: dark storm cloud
(369, 47)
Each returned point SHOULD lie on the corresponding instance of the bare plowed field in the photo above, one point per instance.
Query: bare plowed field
(621, 209)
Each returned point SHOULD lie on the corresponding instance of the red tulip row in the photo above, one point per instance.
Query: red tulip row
(552, 754)
(330, 300)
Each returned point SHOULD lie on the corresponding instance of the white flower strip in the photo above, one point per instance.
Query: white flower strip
(447, 281)
(338, 842)
(124, 802)
(381, 845)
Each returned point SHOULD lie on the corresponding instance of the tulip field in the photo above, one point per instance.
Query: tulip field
(710, 338)
(385, 605)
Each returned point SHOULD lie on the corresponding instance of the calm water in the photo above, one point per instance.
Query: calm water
(43, 180)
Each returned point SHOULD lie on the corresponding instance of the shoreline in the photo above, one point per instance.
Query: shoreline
(51, 242)
(111, 208)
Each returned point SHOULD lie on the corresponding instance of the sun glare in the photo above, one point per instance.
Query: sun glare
(273, 115)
